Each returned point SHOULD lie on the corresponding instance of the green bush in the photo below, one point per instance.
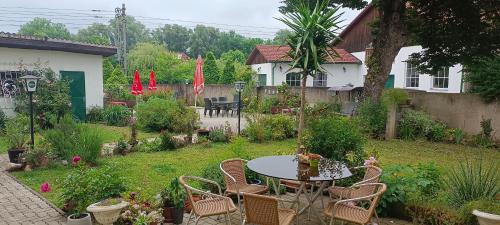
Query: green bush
(3, 121)
(217, 134)
(336, 138)
(323, 109)
(116, 115)
(437, 132)
(84, 186)
(417, 124)
(165, 114)
(484, 74)
(17, 131)
(213, 173)
(373, 117)
(268, 103)
(270, 127)
(473, 180)
(95, 115)
(167, 141)
(87, 144)
(409, 183)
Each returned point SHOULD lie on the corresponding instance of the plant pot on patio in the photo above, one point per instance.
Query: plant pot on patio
(203, 132)
(107, 211)
(486, 218)
(14, 154)
(79, 219)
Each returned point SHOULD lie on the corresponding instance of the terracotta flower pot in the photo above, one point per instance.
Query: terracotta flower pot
(167, 214)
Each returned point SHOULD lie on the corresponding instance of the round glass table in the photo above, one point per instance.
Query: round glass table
(287, 167)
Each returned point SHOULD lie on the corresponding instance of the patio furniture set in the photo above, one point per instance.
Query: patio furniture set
(355, 204)
(221, 106)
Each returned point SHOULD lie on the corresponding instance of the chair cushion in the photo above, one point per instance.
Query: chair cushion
(348, 212)
(214, 206)
(286, 216)
(249, 188)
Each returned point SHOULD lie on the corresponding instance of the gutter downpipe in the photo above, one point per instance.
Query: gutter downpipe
(272, 74)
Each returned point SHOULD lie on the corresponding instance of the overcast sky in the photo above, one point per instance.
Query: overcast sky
(246, 14)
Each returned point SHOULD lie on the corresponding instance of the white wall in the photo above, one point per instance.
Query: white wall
(58, 61)
(335, 77)
(425, 80)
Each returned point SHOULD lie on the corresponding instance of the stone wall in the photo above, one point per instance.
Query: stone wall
(464, 111)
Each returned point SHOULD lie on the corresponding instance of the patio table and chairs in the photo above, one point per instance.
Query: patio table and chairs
(220, 105)
(287, 167)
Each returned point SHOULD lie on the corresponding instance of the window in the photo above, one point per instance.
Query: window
(293, 79)
(10, 85)
(262, 79)
(412, 76)
(320, 80)
(440, 80)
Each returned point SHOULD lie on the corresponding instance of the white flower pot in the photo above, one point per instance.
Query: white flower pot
(107, 214)
(487, 218)
(85, 220)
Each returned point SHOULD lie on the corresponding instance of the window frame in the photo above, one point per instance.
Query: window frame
(441, 80)
(320, 82)
(293, 82)
(412, 75)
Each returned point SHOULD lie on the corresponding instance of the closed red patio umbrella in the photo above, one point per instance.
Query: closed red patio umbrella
(136, 84)
(198, 81)
(152, 81)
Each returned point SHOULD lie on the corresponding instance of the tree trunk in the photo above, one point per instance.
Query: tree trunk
(391, 37)
(301, 110)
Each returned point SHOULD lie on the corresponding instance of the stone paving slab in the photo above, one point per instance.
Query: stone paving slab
(20, 205)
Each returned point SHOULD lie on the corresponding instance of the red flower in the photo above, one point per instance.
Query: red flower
(45, 187)
(76, 159)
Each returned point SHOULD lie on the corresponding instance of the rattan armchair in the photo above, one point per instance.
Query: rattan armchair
(210, 204)
(372, 175)
(236, 182)
(349, 210)
(263, 210)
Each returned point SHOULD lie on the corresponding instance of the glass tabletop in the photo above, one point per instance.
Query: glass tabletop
(288, 167)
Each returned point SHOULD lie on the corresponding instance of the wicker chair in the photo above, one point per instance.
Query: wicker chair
(263, 210)
(348, 210)
(372, 175)
(236, 182)
(211, 204)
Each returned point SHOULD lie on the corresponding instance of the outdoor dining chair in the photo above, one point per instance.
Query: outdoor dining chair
(208, 107)
(210, 204)
(236, 182)
(372, 175)
(263, 210)
(350, 210)
(222, 99)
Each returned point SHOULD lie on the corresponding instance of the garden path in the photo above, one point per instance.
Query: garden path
(20, 205)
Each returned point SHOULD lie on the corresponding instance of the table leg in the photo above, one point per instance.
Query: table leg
(311, 198)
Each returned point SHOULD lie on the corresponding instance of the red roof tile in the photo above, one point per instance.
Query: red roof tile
(278, 53)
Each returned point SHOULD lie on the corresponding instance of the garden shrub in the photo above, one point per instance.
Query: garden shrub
(268, 103)
(437, 132)
(17, 131)
(217, 134)
(262, 128)
(336, 138)
(473, 180)
(3, 121)
(417, 124)
(405, 182)
(87, 144)
(95, 115)
(165, 114)
(162, 93)
(483, 75)
(431, 213)
(323, 109)
(457, 135)
(116, 115)
(213, 173)
(86, 185)
(167, 141)
(484, 138)
(373, 117)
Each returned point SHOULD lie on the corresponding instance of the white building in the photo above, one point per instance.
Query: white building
(272, 65)
(80, 63)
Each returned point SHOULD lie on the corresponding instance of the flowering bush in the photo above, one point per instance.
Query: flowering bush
(140, 213)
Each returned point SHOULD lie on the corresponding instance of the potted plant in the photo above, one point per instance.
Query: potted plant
(203, 132)
(486, 218)
(107, 211)
(17, 132)
(173, 198)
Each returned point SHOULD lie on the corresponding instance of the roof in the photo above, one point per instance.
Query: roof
(279, 53)
(356, 20)
(10, 40)
(182, 55)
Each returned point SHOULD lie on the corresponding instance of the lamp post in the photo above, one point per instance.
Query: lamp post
(30, 84)
(239, 85)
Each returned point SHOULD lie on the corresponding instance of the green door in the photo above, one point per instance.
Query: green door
(77, 91)
(390, 82)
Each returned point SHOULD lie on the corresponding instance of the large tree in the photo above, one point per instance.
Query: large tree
(136, 31)
(41, 27)
(229, 73)
(203, 40)
(210, 69)
(175, 37)
(313, 30)
(281, 36)
(96, 33)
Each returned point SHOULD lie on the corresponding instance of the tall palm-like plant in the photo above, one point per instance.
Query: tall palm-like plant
(313, 30)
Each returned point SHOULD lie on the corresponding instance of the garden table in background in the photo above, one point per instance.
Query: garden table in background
(224, 105)
(287, 167)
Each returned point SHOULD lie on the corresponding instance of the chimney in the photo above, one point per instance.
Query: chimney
(368, 52)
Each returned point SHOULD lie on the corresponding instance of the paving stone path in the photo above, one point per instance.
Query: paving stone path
(19, 205)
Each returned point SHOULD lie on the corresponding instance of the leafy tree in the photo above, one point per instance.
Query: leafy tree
(107, 68)
(41, 27)
(116, 85)
(97, 33)
(175, 37)
(244, 72)
(136, 31)
(484, 77)
(313, 31)
(234, 55)
(280, 38)
(210, 69)
(229, 73)
(203, 40)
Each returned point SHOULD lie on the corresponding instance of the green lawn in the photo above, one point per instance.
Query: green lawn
(147, 173)
(109, 134)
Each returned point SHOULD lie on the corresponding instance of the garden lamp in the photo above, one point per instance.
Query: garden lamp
(30, 84)
(239, 85)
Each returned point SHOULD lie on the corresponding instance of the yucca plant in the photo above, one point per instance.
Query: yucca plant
(313, 31)
(473, 180)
